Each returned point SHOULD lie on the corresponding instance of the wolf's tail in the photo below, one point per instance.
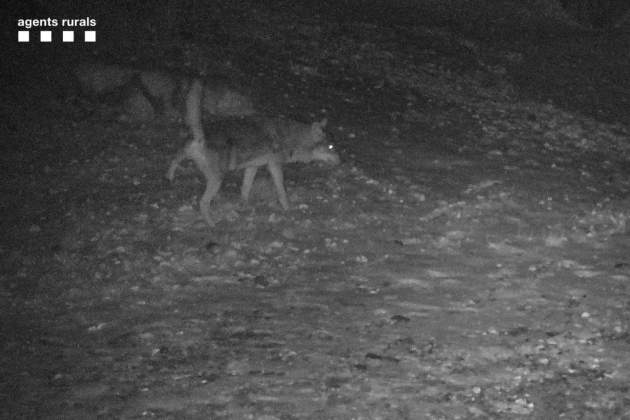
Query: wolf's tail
(193, 111)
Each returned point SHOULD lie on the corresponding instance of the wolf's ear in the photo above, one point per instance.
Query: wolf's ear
(320, 124)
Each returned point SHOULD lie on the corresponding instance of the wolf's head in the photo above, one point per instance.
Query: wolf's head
(322, 152)
(313, 145)
(325, 152)
(317, 133)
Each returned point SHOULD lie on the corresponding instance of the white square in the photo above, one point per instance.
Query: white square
(23, 36)
(68, 36)
(90, 36)
(45, 36)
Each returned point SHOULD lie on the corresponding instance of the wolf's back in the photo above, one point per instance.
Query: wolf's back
(221, 98)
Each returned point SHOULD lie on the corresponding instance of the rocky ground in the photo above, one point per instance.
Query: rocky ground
(468, 259)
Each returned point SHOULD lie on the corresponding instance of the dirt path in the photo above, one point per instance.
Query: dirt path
(469, 259)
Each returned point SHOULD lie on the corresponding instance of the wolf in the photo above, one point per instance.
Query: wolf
(247, 143)
(144, 94)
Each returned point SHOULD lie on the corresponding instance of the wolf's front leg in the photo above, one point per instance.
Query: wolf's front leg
(248, 180)
(275, 169)
(212, 188)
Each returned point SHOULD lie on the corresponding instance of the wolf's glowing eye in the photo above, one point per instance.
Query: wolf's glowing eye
(331, 147)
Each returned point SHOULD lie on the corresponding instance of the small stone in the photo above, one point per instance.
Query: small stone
(288, 233)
